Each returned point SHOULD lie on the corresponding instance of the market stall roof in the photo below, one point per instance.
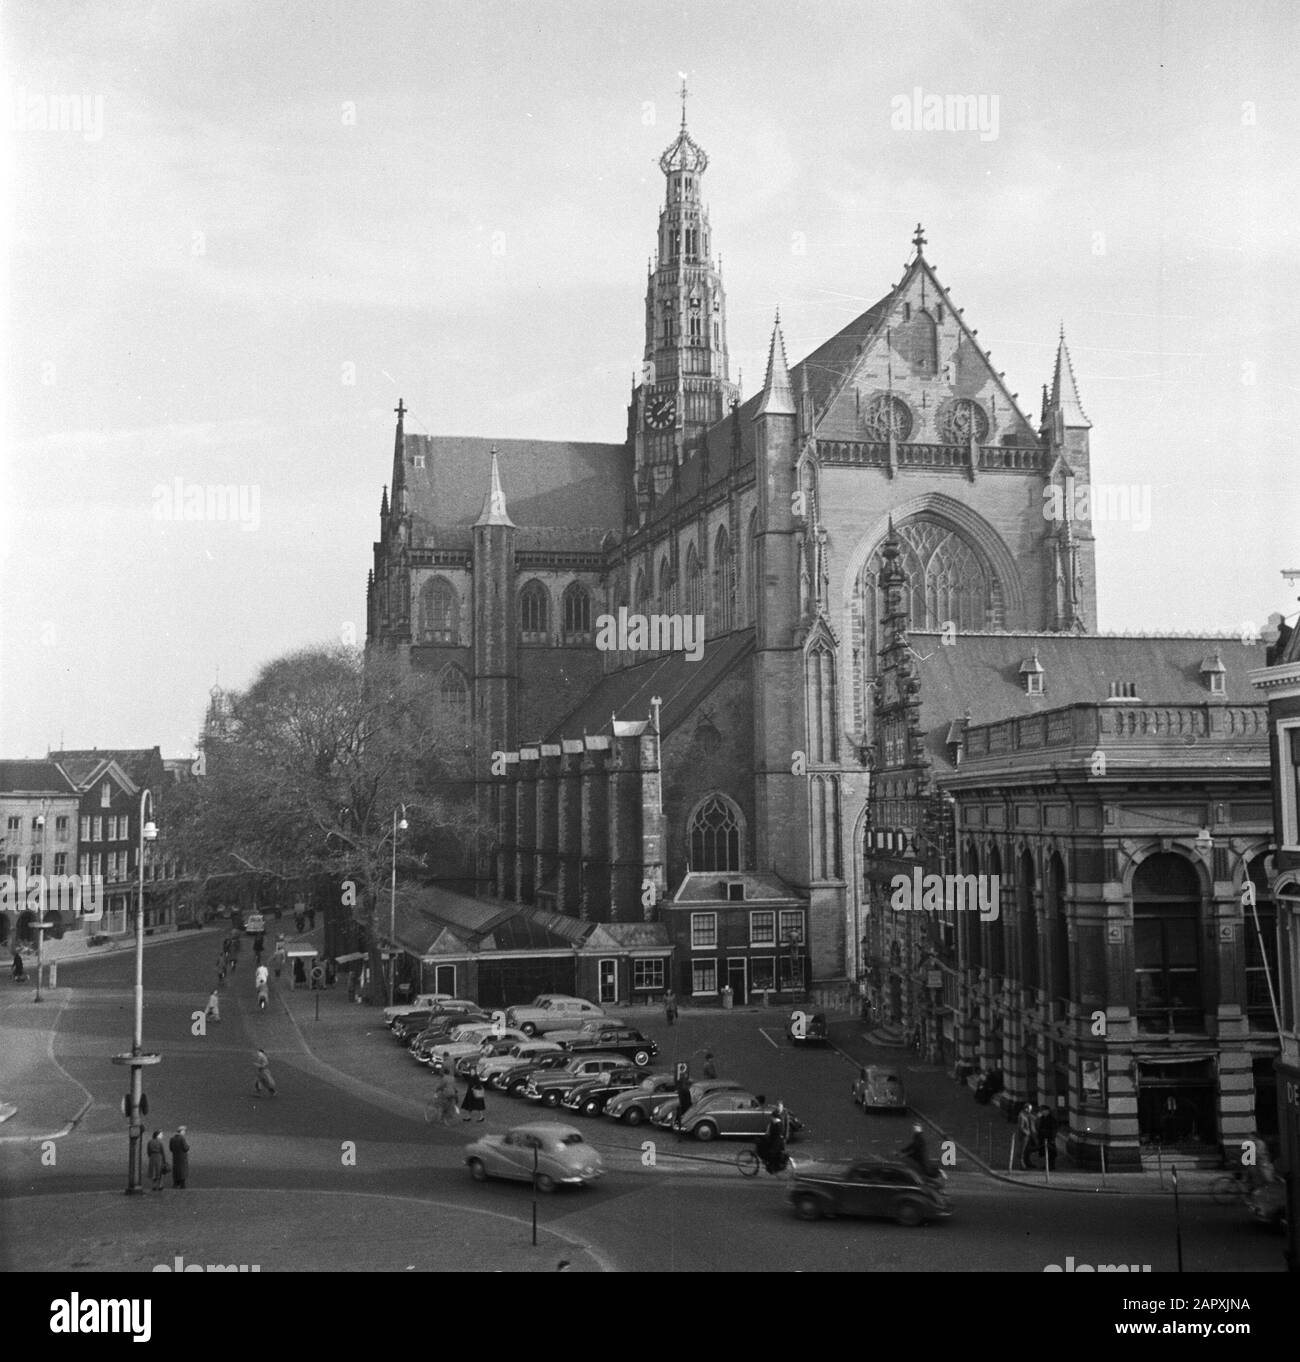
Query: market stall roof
(300, 950)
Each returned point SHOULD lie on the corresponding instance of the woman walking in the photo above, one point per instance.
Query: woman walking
(157, 1159)
(213, 1011)
(473, 1101)
(448, 1105)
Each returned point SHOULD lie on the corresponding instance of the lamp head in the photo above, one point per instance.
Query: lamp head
(150, 831)
(403, 825)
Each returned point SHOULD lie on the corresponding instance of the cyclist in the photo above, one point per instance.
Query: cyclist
(770, 1146)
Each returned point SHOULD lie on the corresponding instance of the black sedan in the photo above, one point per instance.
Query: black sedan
(590, 1097)
(869, 1187)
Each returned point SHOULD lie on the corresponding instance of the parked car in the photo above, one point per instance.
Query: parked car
(551, 1012)
(549, 1088)
(589, 1098)
(665, 1113)
(441, 1028)
(428, 1002)
(405, 1029)
(732, 1115)
(546, 1154)
(469, 1042)
(619, 1040)
(870, 1187)
(519, 1056)
(639, 1104)
(808, 1028)
(593, 1026)
(436, 1038)
(490, 1048)
(515, 1081)
(879, 1088)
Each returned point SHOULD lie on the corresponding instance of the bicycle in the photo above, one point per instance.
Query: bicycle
(749, 1163)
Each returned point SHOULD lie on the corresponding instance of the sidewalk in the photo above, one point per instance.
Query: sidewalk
(983, 1135)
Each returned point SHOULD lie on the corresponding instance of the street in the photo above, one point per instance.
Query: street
(339, 1171)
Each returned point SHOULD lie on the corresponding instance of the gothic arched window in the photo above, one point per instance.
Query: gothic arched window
(694, 583)
(715, 835)
(576, 605)
(751, 568)
(666, 585)
(819, 685)
(453, 688)
(640, 595)
(723, 583)
(439, 612)
(534, 612)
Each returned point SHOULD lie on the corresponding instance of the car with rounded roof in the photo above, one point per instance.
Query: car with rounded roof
(422, 1002)
(878, 1087)
(549, 1088)
(637, 1105)
(616, 1040)
(734, 1114)
(591, 1097)
(514, 1081)
(665, 1113)
(423, 1048)
(885, 1188)
(552, 1012)
(518, 1056)
(547, 1154)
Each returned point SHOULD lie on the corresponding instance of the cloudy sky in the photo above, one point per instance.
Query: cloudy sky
(270, 220)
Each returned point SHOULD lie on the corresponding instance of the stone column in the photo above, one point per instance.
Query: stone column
(547, 814)
(507, 862)
(594, 901)
(569, 826)
(526, 825)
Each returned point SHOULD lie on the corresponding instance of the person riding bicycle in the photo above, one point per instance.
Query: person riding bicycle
(770, 1146)
(916, 1152)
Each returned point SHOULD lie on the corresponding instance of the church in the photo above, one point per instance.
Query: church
(888, 560)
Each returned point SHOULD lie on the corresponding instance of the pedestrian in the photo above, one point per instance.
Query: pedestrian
(264, 1078)
(260, 976)
(448, 1099)
(221, 970)
(180, 1149)
(1028, 1122)
(277, 962)
(670, 1008)
(683, 1096)
(263, 997)
(20, 971)
(710, 1069)
(157, 1159)
(1047, 1128)
(213, 1011)
(474, 1094)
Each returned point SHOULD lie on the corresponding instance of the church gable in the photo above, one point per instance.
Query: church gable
(921, 377)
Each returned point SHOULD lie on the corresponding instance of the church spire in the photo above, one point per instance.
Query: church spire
(494, 503)
(399, 462)
(778, 396)
(1065, 391)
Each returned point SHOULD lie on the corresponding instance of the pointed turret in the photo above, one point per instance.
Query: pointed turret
(778, 395)
(1065, 391)
(494, 502)
(400, 505)
(383, 504)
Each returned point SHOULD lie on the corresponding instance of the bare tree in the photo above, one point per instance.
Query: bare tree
(310, 765)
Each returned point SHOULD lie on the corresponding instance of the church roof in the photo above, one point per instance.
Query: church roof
(562, 483)
(680, 683)
(980, 675)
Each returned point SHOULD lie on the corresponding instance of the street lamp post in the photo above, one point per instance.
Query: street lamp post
(137, 1060)
(392, 905)
(40, 923)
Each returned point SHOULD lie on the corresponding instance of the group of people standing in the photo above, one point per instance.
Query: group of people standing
(1038, 1129)
(159, 1167)
(449, 1104)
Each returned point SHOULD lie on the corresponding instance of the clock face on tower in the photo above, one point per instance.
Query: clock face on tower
(660, 412)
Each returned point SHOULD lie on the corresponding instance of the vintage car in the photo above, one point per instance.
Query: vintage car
(729, 1114)
(808, 1028)
(549, 1088)
(665, 1114)
(552, 1012)
(254, 923)
(593, 1026)
(639, 1104)
(544, 1154)
(438, 1037)
(869, 1187)
(439, 1028)
(514, 1081)
(879, 1088)
(617, 1040)
(518, 1056)
(589, 1098)
(422, 1002)
(469, 1043)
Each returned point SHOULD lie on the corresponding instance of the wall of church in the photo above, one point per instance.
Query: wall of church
(712, 750)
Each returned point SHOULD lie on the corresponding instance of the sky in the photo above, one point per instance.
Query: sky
(269, 221)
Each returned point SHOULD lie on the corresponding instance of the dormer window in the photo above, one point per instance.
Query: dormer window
(1123, 690)
(1031, 674)
(105, 795)
(1215, 674)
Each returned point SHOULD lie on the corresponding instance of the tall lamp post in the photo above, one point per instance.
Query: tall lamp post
(40, 924)
(137, 1060)
(392, 905)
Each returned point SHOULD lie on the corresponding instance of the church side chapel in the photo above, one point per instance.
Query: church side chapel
(866, 541)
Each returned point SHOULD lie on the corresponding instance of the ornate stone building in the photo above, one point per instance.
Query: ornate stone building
(606, 776)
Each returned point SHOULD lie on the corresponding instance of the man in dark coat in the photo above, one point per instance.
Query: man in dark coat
(180, 1149)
